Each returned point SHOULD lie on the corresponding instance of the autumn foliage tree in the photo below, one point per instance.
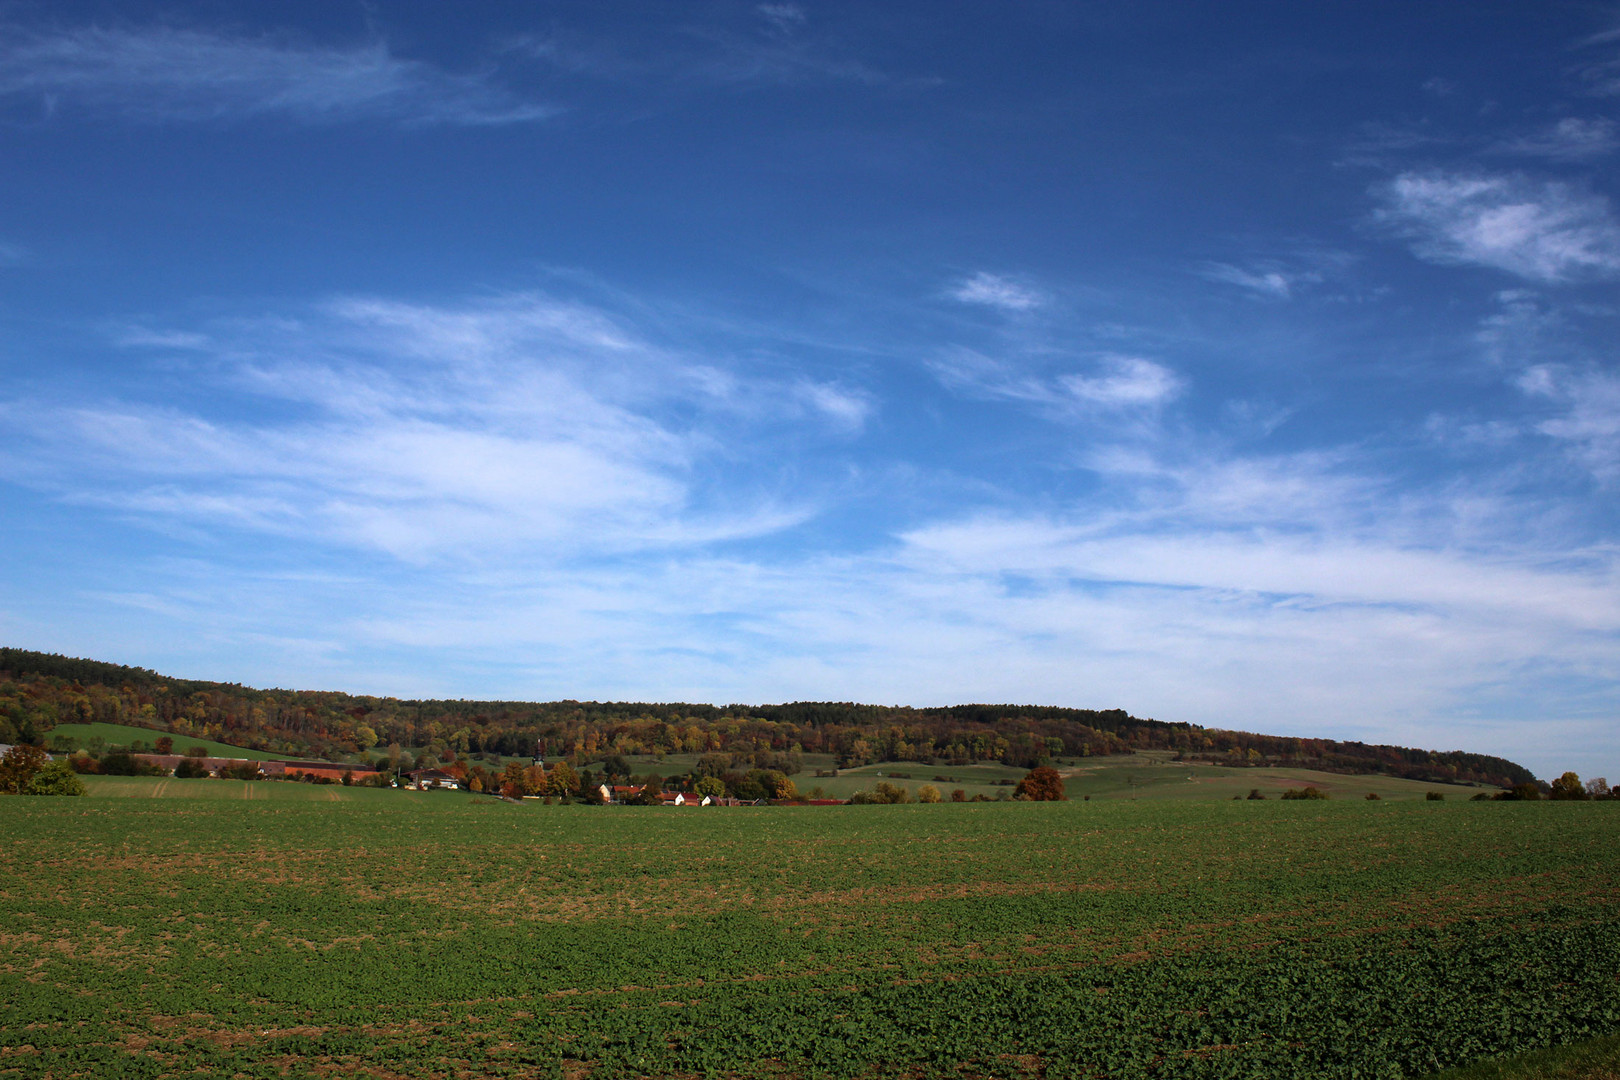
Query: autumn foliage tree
(1041, 784)
(1568, 786)
(18, 767)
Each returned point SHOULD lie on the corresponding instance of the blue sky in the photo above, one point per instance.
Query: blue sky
(1248, 365)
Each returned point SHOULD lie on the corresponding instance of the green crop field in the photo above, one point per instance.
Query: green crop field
(123, 735)
(398, 934)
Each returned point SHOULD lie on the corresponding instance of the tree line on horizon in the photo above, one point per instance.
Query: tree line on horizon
(38, 691)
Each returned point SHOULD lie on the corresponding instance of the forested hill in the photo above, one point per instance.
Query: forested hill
(40, 690)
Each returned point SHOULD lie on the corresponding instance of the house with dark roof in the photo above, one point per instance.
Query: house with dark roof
(424, 779)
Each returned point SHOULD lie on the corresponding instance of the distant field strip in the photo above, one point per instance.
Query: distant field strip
(397, 934)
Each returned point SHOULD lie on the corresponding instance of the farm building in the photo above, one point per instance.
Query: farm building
(423, 779)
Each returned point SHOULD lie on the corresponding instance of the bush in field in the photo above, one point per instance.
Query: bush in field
(1568, 786)
(1434, 796)
(884, 794)
(18, 767)
(928, 793)
(1372, 796)
(1304, 793)
(190, 768)
(55, 778)
(1041, 784)
(958, 795)
(1254, 793)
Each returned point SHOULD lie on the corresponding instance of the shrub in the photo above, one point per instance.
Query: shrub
(55, 778)
(884, 793)
(1254, 793)
(1372, 796)
(190, 769)
(1434, 796)
(1041, 784)
(1304, 793)
(928, 793)
(958, 795)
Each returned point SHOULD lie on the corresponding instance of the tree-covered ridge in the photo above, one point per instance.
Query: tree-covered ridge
(39, 691)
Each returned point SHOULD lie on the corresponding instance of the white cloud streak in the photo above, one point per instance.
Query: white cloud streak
(993, 290)
(1266, 281)
(164, 74)
(431, 432)
(1116, 383)
(783, 18)
(1590, 422)
(1571, 139)
(1547, 232)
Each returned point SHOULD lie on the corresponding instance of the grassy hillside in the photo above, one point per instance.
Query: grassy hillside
(123, 736)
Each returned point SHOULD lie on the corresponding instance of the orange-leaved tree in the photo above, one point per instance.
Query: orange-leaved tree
(1041, 784)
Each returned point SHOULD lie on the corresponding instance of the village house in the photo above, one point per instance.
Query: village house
(424, 779)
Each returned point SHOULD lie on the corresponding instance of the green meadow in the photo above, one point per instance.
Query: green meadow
(125, 735)
(265, 929)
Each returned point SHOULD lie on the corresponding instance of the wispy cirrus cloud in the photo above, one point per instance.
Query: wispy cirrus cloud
(1114, 383)
(164, 74)
(1571, 139)
(1265, 279)
(996, 291)
(1548, 231)
(1590, 421)
(425, 432)
(784, 18)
